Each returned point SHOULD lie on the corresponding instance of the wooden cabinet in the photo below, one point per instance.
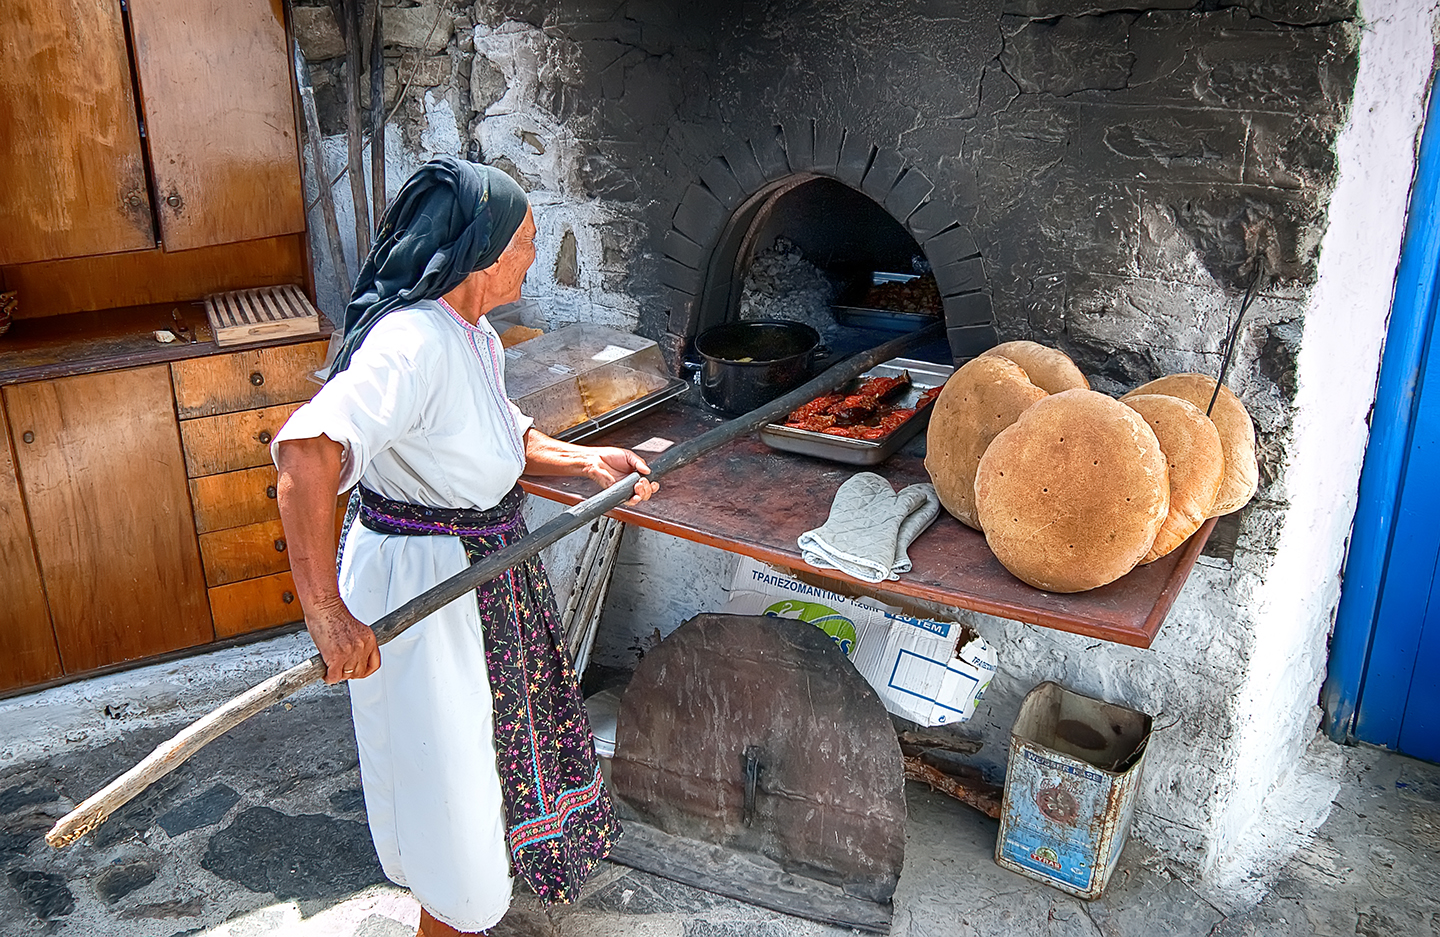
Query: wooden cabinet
(138, 512)
(27, 643)
(104, 483)
(72, 175)
(218, 124)
(219, 119)
(231, 406)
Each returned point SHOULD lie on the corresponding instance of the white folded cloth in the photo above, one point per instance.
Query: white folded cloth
(870, 528)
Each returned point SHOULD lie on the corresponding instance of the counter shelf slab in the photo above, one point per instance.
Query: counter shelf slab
(87, 342)
(749, 499)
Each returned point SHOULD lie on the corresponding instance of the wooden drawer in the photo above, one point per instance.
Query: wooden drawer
(234, 499)
(254, 604)
(251, 551)
(244, 553)
(246, 380)
(232, 441)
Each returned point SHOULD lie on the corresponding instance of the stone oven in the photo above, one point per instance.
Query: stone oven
(1092, 175)
(835, 195)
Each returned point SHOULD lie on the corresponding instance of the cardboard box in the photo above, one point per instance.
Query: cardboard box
(930, 672)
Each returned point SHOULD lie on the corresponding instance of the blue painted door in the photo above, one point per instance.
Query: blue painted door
(1384, 680)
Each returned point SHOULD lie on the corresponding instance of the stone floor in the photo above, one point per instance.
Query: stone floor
(263, 835)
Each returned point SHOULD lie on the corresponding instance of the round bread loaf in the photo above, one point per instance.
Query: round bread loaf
(1049, 369)
(1237, 434)
(978, 401)
(1072, 494)
(1195, 460)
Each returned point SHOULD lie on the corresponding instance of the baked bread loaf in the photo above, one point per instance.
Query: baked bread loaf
(1073, 493)
(1049, 369)
(1194, 459)
(517, 334)
(1237, 434)
(978, 401)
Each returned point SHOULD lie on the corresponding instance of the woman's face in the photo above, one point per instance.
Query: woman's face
(508, 272)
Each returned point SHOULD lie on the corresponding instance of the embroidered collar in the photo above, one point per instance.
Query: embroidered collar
(465, 323)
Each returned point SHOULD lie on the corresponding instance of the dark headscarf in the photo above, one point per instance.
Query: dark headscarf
(451, 218)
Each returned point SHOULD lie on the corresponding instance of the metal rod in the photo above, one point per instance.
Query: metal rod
(170, 755)
(1234, 335)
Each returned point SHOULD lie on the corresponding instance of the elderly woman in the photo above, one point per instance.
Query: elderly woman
(475, 752)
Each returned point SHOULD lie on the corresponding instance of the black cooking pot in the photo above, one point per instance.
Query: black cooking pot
(747, 364)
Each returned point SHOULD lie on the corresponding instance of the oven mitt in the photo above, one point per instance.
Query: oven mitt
(871, 526)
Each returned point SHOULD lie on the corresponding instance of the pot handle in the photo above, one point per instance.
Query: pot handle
(690, 366)
(819, 356)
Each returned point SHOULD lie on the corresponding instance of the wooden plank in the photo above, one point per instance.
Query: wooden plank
(254, 604)
(244, 553)
(744, 876)
(72, 180)
(247, 380)
(220, 118)
(232, 441)
(749, 499)
(138, 278)
(234, 499)
(104, 481)
(28, 653)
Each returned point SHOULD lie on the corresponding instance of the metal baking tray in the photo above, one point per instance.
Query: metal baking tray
(923, 376)
(886, 320)
(608, 421)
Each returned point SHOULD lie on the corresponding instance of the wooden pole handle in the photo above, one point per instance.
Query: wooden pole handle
(171, 754)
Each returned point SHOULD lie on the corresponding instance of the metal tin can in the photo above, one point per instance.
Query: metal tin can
(1070, 786)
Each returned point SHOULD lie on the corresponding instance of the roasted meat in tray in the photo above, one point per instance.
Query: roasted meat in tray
(866, 422)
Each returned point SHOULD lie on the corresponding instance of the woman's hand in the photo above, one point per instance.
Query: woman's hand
(606, 465)
(347, 644)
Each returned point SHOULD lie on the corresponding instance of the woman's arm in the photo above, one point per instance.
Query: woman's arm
(604, 465)
(309, 474)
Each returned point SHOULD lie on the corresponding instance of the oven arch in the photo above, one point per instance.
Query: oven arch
(706, 246)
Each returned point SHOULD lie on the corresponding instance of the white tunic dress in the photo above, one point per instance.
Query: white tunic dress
(423, 418)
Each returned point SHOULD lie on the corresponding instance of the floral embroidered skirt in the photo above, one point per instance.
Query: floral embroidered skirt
(558, 820)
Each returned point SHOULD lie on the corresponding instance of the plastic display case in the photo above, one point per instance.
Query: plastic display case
(582, 379)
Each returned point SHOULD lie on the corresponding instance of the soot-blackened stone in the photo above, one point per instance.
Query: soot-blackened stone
(348, 800)
(206, 810)
(116, 881)
(303, 857)
(1069, 53)
(44, 893)
(18, 798)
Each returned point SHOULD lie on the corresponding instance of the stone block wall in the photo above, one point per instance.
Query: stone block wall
(1117, 169)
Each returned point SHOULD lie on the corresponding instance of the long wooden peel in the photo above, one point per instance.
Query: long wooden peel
(173, 753)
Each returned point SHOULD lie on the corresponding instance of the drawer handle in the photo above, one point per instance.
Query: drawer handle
(257, 378)
(287, 597)
(29, 437)
(280, 545)
(265, 437)
(270, 491)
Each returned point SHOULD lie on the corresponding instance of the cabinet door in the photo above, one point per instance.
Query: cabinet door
(72, 180)
(104, 480)
(27, 642)
(219, 118)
